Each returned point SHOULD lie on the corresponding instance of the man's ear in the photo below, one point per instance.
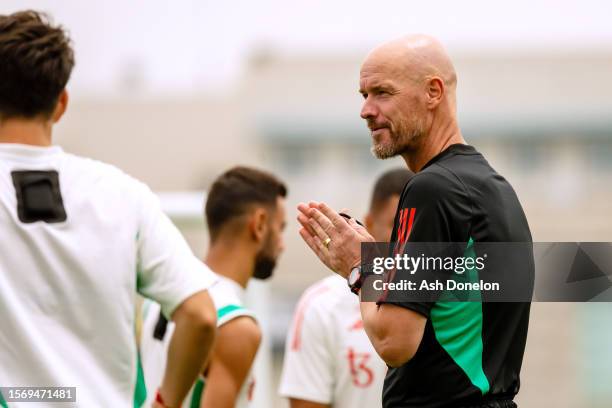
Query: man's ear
(258, 224)
(435, 91)
(369, 221)
(60, 107)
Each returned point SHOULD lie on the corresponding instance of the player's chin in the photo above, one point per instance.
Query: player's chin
(383, 149)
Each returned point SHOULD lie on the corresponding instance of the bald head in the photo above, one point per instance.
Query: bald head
(418, 57)
(408, 86)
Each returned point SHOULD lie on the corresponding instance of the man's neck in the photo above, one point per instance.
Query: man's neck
(438, 140)
(230, 261)
(23, 131)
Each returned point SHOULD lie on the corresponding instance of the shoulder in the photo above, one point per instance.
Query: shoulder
(94, 167)
(228, 304)
(103, 176)
(434, 184)
(318, 304)
(432, 179)
(222, 293)
(324, 294)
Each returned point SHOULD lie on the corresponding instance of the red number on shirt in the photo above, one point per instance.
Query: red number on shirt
(361, 374)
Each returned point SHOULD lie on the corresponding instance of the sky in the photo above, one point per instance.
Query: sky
(188, 46)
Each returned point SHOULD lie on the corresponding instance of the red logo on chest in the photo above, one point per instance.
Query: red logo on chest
(406, 219)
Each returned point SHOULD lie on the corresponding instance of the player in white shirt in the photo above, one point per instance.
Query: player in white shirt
(329, 360)
(245, 212)
(79, 240)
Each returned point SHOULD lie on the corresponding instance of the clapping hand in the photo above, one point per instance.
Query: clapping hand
(335, 240)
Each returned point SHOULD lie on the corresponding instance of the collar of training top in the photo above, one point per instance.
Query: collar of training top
(458, 148)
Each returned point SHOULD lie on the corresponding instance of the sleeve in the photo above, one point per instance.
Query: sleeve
(228, 304)
(434, 209)
(168, 272)
(308, 368)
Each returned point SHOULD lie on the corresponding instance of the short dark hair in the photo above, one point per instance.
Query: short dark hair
(36, 59)
(389, 184)
(235, 192)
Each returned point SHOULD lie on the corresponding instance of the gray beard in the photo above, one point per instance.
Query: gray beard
(397, 147)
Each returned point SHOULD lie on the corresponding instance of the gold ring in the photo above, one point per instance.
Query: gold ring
(326, 242)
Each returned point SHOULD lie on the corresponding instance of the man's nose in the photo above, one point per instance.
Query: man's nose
(368, 109)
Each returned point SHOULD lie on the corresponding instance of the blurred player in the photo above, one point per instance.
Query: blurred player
(329, 360)
(245, 211)
(79, 239)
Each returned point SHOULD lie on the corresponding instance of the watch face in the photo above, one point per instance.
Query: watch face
(354, 276)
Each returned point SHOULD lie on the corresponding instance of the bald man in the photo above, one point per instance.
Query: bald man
(439, 353)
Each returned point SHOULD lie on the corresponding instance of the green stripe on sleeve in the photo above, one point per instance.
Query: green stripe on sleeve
(227, 310)
(3, 403)
(140, 391)
(230, 312)
(196, 396)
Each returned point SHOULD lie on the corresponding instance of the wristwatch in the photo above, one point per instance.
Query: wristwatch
(356, 279)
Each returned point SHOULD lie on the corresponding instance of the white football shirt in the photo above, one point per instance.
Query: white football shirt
(68, 301)
(228, 297)
(328, 356)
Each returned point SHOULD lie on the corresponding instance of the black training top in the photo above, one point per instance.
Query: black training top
(471, 352)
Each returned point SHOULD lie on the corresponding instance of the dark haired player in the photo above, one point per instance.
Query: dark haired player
(245, 212)
(79, 238)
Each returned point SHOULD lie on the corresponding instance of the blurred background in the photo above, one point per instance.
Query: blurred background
(174, 93)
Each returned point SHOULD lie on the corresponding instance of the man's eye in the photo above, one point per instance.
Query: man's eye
(365, 95)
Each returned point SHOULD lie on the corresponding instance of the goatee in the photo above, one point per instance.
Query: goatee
(264, 267)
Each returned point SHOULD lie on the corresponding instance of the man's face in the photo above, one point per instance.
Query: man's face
(380, 221)
(274, 245)
(393, 107)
